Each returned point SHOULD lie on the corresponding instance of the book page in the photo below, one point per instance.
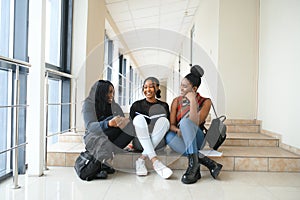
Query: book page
(152, 117)
(211, 152)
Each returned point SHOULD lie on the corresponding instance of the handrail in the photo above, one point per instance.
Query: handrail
(51, 71)
(15, 61)
(14, 147)
(58, 133)
(60, 104)
(14, 106)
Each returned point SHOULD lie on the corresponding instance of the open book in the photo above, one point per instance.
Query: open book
(211, 152)
(151, 117)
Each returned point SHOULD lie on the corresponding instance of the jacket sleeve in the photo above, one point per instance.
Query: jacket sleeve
(90, 119)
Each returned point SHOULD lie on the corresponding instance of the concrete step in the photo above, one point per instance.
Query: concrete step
(71, 137)
(250, 139)
(238, 126)
(234, 158)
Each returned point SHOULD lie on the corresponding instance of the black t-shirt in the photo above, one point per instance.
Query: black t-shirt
(146, 108)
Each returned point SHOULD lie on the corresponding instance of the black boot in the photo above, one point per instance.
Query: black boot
(213, 166)
(109, 169)
(192, 173)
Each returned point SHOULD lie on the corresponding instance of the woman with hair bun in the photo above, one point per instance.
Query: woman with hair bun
(188, 114)
(151, 131)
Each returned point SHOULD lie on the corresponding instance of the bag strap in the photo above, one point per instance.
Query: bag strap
(212, 104)
(223, 116)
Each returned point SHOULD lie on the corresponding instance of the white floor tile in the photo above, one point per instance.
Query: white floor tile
(61, 183)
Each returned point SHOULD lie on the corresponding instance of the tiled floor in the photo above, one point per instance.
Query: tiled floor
(61, 183)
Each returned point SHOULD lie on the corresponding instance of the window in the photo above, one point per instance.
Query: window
(6, 25)
(5, 122)
(122, 81)
(13, 44)
(58, 58)
(108, 57)
(53, 31)
(192, 44)
(130, 85)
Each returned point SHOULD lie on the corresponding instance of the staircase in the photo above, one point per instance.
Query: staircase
(245, 149)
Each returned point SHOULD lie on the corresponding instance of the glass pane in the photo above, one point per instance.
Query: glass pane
(4, 120)
(53, 32)
(54, 97)
(4, 27)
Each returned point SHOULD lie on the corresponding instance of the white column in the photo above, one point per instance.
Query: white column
(35, 115)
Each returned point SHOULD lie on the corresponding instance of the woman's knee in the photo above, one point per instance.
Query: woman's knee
(185, 122)
(170, 136)
(139, 121)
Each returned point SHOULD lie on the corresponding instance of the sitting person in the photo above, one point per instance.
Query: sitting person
(188, 114)
(107, 130)
(150, 132)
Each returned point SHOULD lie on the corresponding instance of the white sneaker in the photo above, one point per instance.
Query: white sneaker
(140, 167)
(162, 170)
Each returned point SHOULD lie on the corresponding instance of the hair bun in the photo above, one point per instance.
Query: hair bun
(197, 70)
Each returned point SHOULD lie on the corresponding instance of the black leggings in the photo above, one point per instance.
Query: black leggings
(118, 137)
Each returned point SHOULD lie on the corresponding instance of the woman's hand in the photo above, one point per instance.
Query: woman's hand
(178, 132)
(191, 95)
(118, 121)
(123, 122)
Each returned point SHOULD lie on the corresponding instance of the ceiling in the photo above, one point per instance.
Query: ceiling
(153, 31)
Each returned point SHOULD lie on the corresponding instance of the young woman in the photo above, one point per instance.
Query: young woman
(107, 130)
(150, 132)
(188, 114)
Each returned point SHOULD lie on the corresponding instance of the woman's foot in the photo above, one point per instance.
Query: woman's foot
(140, 167)
(162, 170)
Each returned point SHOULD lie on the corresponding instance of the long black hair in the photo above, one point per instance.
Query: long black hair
(102, 107)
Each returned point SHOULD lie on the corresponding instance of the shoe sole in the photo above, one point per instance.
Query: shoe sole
(141, 174)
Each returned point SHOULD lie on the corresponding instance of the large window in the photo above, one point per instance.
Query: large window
(5, 122)
(13, 44)
(130, 85)
(108, 58)
(58, 59)
(122, 81)
(53, 31)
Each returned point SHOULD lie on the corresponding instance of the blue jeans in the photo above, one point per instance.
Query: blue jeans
(191, 140)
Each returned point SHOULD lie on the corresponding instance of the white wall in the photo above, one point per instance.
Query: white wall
(279, 69)
(206, 38)
(238, 56)
(88, 48)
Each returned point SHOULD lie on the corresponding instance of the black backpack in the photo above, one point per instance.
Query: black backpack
(88, 168)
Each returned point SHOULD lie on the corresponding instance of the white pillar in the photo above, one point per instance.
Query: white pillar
(35, 113)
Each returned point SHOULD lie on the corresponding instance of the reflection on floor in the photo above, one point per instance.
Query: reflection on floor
(60, 183)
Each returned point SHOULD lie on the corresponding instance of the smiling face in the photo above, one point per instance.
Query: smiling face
(110, 94)
(186, 87)
(149, 90)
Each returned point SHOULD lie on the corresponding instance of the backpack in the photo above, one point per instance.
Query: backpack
(88, 168)
(216, 133)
